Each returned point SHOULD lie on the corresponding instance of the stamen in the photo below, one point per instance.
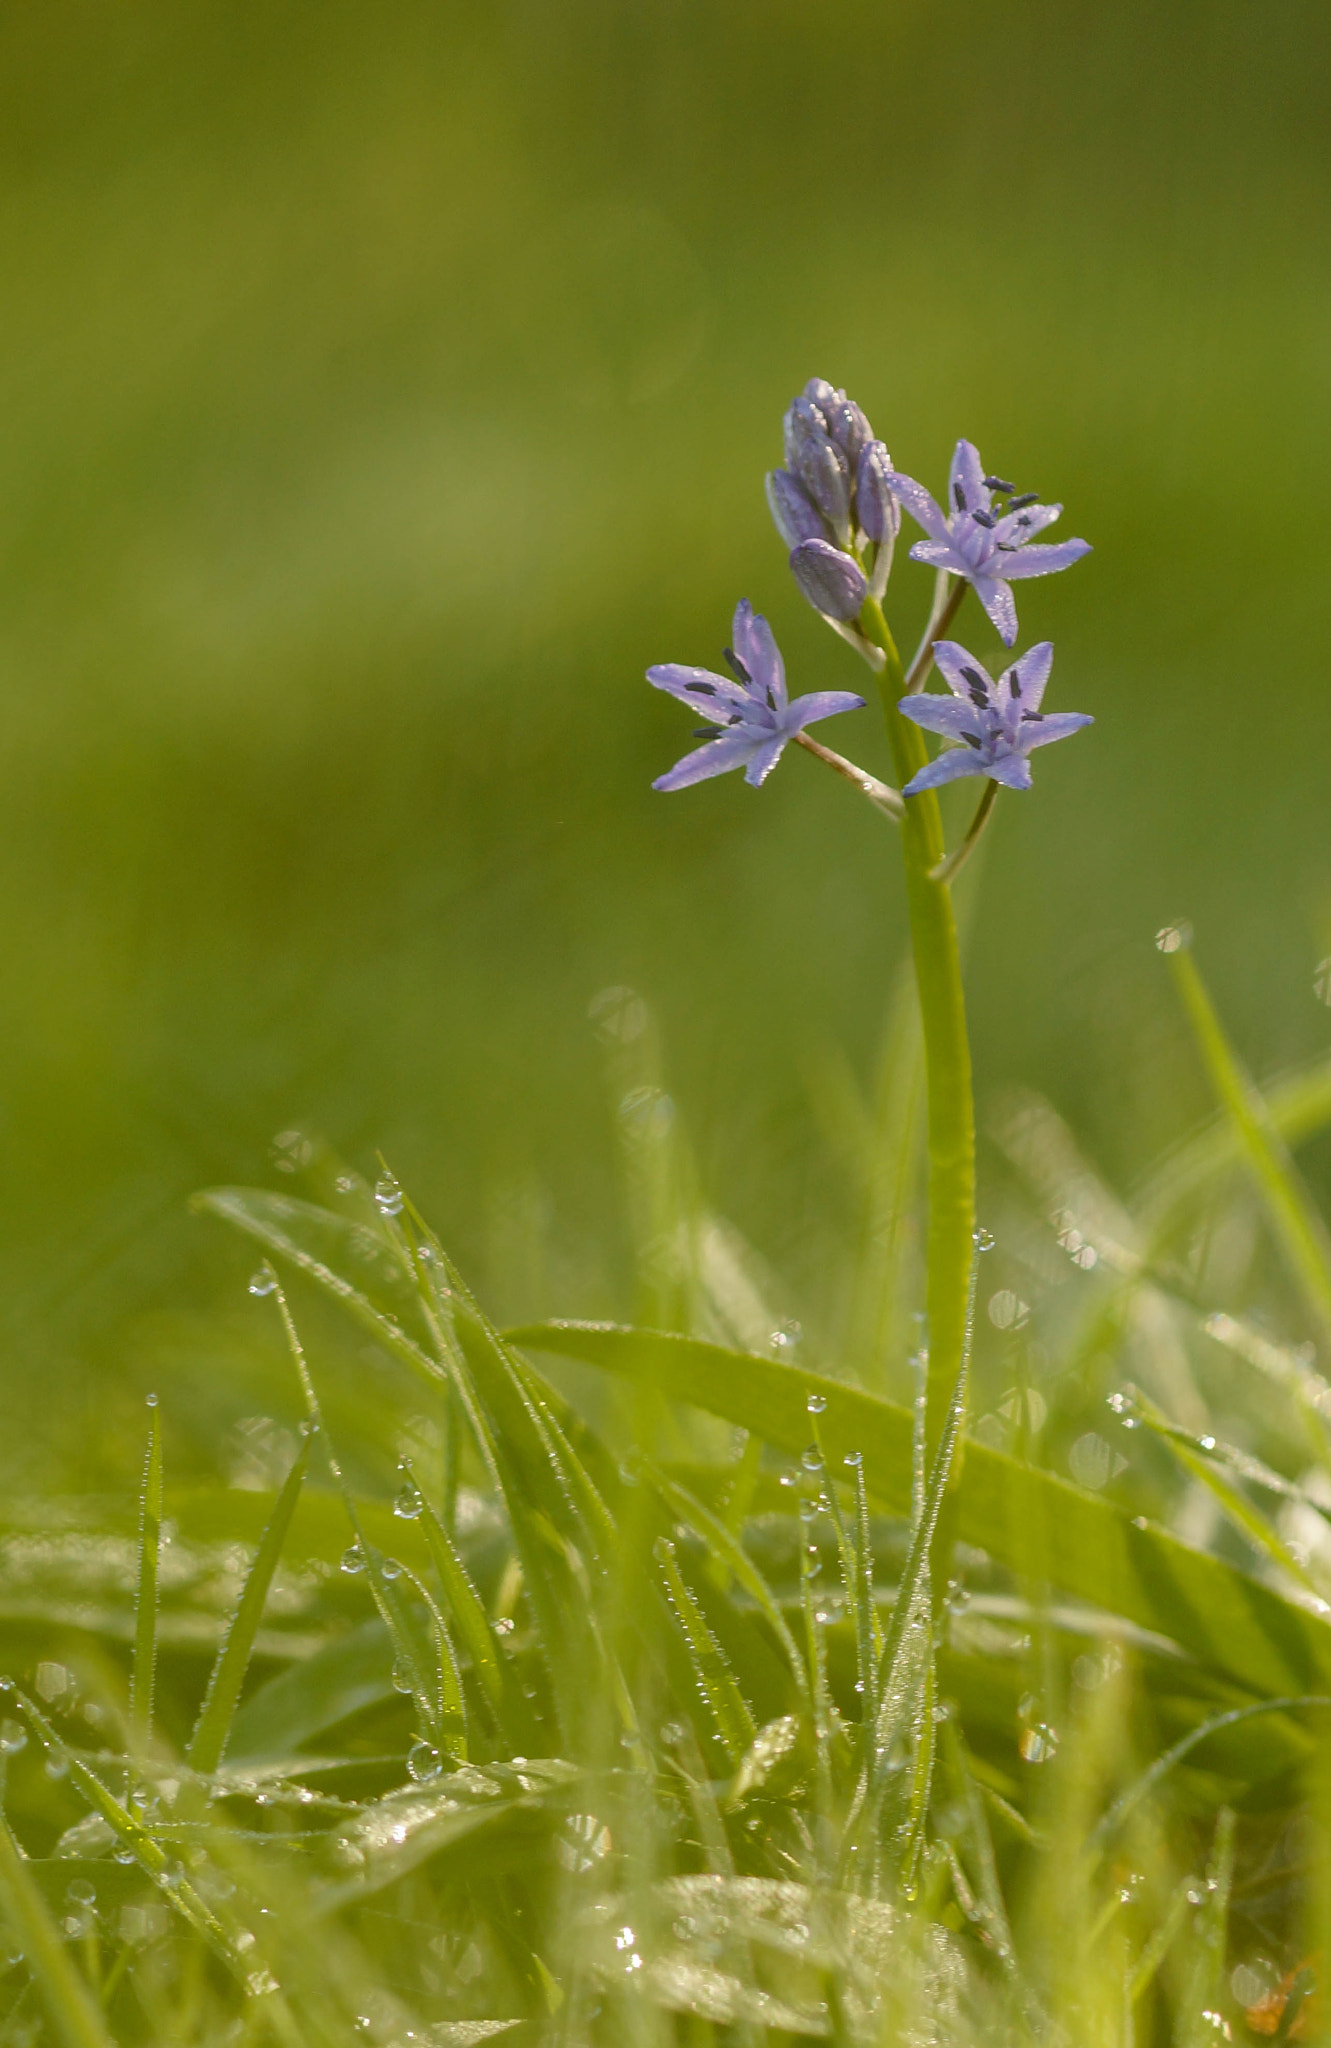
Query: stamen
(1026, 498)
(706, 732)
(996, 483)
(971, 741)
(983, 518)
(1032, 717)
(735, 665)
(703, 689)
(959, 497)
(977, 682)
(1014, 683)
(1024, 520)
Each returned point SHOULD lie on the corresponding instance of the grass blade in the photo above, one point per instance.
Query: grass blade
(216, 1715)
(1228, 1620)
(468, 1611)
(145, 1602)
(734, 1719)
(1298, 1228)
(72, 2008)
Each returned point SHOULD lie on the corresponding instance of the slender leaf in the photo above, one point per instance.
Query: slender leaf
(208, 1742)
(732, 1714)
(1123, 1565)
(71, 2005)
(145, 1602)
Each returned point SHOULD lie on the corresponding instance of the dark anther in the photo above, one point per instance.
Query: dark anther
(1024, 519)
(1032, 717)
(996, 483)
(735, 665)
(1014, 684)
(959, 496)
(983, 518)
(703, 689)
(971, 741)
(979, 699)
(706, 732)
(1026, 498)
(1006, 547)
(977, 682)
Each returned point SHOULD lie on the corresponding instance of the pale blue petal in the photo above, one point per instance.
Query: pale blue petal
(948, 767)
(1024, 525)
(941, 714)
(968, 471)
(940, 554)
(764, 761)
(819, 704)
(718, 757)
(998, 601)
(796, 517)
(1032, 673)
(918, 502)
(1055, 725)
(699, 689)
(1013, 771)
(1041, 560)
(952, 660)
(759, 652)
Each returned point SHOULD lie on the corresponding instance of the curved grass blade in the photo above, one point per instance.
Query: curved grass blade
(1111, 1821)
(144, 1666)
(734, 1719)
(1228, 1620)
(216, 1715)
(73, 2010)
(1298, 1105)
(468, 1611)
(685, 1507)
(1298, 1228)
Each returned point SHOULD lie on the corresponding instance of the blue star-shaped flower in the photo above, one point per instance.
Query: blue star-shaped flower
(752, 714)
(978, 539)
(998, 724)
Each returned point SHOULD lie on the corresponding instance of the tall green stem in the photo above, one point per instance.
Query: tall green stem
(947, 1058)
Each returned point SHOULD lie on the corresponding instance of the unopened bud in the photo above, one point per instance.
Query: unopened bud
(831, 581)
(825, 475)
(848, 427)
(797, 517)
(877, 510)
(821, 392)
(802, 423)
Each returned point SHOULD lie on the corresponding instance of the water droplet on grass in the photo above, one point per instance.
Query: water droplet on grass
(391, 1569)
(13, 1737)
(983, 1240)
(408, 1504)
(388, 1195)
(424, 1761)
(264, 1281)
(1174, 938)
(816, 1404)
(812, 1458)
(353, 1559)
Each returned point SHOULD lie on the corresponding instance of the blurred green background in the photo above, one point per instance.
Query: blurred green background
(383, 388)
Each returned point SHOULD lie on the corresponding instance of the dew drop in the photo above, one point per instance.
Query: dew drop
(345, 1183)
(505, 1625)
(1207, 1442)
(264, 1281)
(408, 1504)
(1174, 938)
(812, 1458)
(424, 1761)
(983, 1240)
(816, 1404)
(353, 1560)
(854, 1459)
(56, 1766)
(388, 1195)
(400, 1682)
(1037, 1743)
(13, 1737)
(391, 1569)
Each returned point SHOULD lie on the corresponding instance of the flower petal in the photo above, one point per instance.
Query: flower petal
(918, 502)
(1032, 673)
(949, 767)
(715, 696)
(1024, 525)
(1012, 770)
(757, 649)
(819, 704)
(1042, 560)
(763, 761)
(1055, 725)
(966, 487)
(718, 757)
(878, 512)
(794, 513)
(998, 601)
(940, 554)
(953, 663)
(941, 714)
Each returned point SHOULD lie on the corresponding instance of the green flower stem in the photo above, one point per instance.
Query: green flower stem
(951, 1112)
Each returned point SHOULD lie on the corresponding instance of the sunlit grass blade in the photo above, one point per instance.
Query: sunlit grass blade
(1204, 1995)
(468, 1610)
(208, 1742)
(731, 1713)
(73, 2010)
(992, 1908)
(685, 1507)
(1195, 1460)
(1298, 1228)
(853, 1545)
(1297, 1106)
(1151, 1779)
(1230, 1621)
(144, 1666)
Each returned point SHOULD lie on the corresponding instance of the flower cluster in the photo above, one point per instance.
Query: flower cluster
(837, 504)
(833, 503)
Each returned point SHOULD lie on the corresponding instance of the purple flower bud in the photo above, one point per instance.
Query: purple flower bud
(822, 393)
(802, 421)
(831, 581)
(878, 511)
(847, 426)
(825, 475)
(796, 517)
